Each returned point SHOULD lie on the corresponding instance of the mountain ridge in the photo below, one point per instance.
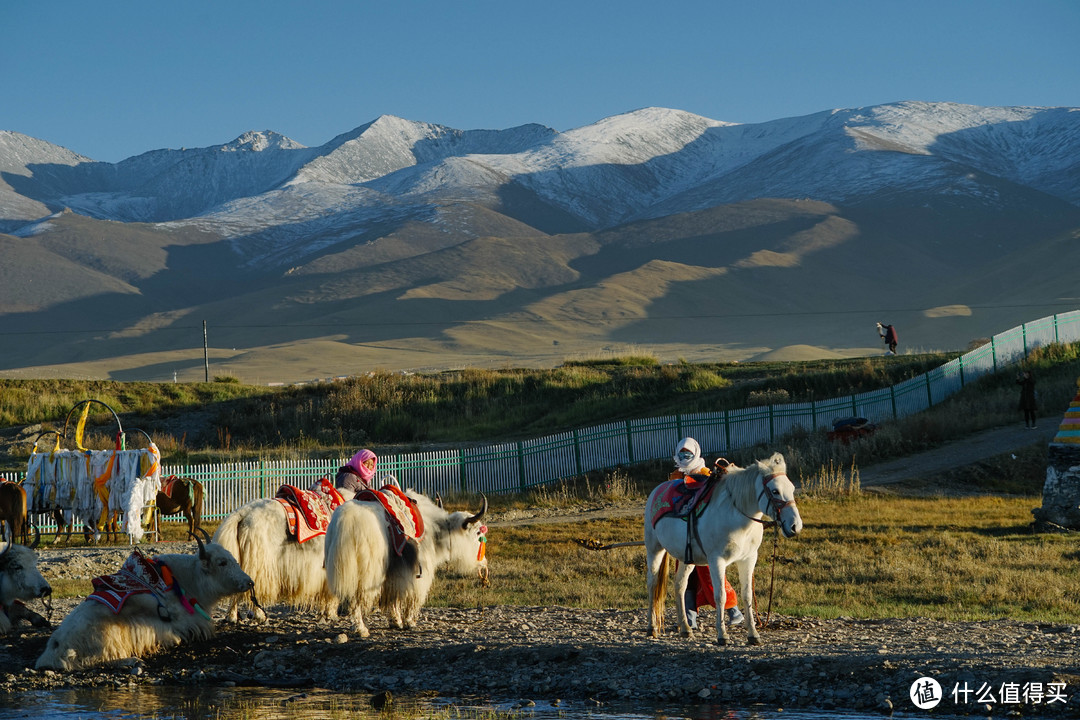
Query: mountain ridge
(410, 244)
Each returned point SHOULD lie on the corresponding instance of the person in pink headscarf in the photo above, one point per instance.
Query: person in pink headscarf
(358, 473)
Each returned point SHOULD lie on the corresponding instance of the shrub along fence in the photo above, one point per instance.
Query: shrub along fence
(518, 466)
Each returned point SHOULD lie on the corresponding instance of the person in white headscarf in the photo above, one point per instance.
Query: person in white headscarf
(691, 468)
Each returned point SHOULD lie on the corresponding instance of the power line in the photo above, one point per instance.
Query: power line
(531, 320)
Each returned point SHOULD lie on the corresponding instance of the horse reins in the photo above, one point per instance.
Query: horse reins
(774, 524)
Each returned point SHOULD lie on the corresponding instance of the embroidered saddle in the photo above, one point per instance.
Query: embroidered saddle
(405, 519)
(307, 512)
(682, 497)
(139, 575)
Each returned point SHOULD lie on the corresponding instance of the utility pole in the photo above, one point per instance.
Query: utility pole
(205, 356)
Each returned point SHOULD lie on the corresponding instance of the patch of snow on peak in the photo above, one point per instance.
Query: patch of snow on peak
(258, 141)
(18, 152)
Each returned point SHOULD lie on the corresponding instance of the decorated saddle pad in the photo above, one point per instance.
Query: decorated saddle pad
(138, 575)
(405, 519)
(168, 484)
(307, 512)
(679, 498)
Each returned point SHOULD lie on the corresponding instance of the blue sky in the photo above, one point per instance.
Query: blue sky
(112, 79)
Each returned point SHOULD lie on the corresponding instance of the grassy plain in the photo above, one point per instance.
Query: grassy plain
(862, 554)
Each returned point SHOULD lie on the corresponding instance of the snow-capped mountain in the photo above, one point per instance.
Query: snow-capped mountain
(577, 231)
(647, 163)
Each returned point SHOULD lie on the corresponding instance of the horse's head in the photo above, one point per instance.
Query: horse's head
(777, 495)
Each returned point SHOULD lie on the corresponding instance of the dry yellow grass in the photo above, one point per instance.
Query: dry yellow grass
(865, 556)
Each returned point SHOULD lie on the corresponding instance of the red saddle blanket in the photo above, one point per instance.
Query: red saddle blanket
(138, 575)
(680, 498)
(307, 512)
(168, 483)
(405, 518)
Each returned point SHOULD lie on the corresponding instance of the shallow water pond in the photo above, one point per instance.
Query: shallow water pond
(169, 703)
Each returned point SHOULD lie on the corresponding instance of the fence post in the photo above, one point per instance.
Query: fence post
(678, 425)
(772, 425)
(813, 415)
(961, 360)
(929, 395)
(629, 442)
(521, 466)
(577, 454)
(1056, 329)
(892, 399)
(1023, 332)
(727, 431)
(462, 478)
(993, 351)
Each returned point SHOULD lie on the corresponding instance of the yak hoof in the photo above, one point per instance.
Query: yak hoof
(753, 640)
(722, 640)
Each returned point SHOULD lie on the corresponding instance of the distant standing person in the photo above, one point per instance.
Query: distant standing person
(888, 334)
(1027, 396)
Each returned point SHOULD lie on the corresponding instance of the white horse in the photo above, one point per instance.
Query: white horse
(729, 530)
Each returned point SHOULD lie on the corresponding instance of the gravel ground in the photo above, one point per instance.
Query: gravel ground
(600, 656)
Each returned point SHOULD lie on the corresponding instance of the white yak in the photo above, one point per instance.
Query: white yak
(164, 615)
(284, 571)
(20, 580)
(362, 567)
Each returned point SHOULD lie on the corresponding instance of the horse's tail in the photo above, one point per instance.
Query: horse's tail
(196, 502)
(22, 518)
(659, 593)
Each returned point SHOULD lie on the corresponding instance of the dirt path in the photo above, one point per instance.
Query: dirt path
(957, 454)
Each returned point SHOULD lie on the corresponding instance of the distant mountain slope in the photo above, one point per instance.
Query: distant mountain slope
(408, 244)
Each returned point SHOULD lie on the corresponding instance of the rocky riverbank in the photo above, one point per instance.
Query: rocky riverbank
(604, 656)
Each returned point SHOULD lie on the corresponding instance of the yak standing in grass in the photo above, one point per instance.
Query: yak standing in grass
(363, 568)
(152, 603)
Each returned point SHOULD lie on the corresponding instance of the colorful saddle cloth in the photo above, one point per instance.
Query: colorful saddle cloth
(168, 483)
(140, 575)
(307, 512)
(682, 497)
(405, 518)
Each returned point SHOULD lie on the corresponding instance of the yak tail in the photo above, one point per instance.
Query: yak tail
(20, 519)
(342, 568)
(659, 593)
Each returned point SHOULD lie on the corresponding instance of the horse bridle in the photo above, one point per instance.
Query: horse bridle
(773, 504)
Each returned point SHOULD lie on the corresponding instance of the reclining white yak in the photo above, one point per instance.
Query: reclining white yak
(152, 603)
(284, 570)
(363, 568)
(20, 580)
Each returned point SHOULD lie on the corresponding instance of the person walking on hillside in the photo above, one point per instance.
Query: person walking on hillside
(1027, 397)
(699, 590)
(888, 334)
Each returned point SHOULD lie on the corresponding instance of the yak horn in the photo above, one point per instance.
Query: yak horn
(476, 518)
(438, 500)
(202, 548)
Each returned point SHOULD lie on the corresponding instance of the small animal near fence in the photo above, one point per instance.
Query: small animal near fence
(519, 466)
